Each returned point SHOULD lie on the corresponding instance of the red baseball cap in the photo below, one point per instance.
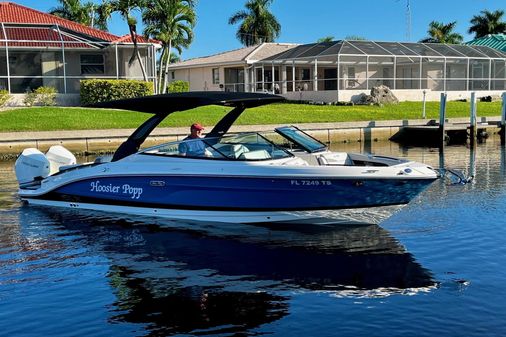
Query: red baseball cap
(197, 126)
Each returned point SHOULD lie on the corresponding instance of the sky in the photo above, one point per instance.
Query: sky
(305, 21)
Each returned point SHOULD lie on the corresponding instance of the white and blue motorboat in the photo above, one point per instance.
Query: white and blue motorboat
(243, 178)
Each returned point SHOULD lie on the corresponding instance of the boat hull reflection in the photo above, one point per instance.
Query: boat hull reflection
(228, 279)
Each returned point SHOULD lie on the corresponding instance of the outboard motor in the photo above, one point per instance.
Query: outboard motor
(31, 165)
(59, 156)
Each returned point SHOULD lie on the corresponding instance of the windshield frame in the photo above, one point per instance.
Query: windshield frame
(305, 135)
(218, 153)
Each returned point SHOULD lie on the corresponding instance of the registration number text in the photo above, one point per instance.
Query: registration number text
(303, 182)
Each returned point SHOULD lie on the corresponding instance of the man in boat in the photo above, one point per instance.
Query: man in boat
(192, 145)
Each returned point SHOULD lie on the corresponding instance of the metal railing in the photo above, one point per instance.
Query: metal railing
(361, 83)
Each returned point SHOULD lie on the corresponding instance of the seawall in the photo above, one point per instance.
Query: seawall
(99, 141)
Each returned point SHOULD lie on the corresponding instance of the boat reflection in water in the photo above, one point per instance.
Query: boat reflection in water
(228, 278)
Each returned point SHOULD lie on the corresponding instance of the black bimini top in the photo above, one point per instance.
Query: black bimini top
(164, 105)
(168, 103)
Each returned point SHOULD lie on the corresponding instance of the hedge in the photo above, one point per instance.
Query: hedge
(94, 91)
(179, 86)
(4, 97)
(44, 96)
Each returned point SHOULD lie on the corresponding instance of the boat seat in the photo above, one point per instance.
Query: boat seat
(258, 154)
(238, 150)
(322, 161)
(335, 158)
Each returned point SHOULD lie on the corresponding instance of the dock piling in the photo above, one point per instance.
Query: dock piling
(442, 118)
(472, 125)
(503, 119)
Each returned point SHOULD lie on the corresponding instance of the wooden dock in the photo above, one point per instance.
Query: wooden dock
(443, 133)
(429, 135)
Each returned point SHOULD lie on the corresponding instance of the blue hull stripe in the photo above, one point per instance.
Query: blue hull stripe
(240, 194)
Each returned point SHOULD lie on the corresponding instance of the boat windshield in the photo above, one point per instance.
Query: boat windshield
(249, 146)
(301, 139)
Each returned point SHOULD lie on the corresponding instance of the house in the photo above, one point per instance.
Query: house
(343, 70)
(39, 49)
(230, 71)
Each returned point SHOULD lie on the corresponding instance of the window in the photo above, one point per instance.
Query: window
(92, 64)
(216, 76)
(173, 75)
(306, 74)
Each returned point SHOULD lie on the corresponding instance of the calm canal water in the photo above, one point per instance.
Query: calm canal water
(436, 268)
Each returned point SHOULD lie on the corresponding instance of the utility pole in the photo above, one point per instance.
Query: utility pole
(408, 21)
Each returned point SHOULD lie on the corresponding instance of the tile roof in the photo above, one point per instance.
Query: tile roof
(242, 55)
(39, 37)
(270, 49)
(128, 39)
(12, 13)
(496, 41)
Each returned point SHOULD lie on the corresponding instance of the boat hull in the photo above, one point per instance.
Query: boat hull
(243, 194)
(236, 199)
(354, 216)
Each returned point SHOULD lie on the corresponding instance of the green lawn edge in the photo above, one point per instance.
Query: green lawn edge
(65, 118)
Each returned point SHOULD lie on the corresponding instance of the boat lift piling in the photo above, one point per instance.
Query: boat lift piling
(502, 132)
(473, 132)
(438, 134)
(442, 118)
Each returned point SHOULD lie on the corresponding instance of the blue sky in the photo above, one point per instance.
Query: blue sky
(306, 21)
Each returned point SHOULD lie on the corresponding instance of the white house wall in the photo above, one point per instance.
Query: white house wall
(199, 79)
(73, 68)
(133, 70)
(52, 66)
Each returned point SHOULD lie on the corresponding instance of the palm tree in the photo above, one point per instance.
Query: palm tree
(487, 23)
(325, 39)
(87, 13)
(258, 24)
(172, 23)
(124, 8)
(442, 33)
(163, 73)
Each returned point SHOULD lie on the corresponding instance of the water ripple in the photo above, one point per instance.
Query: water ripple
(438, 262)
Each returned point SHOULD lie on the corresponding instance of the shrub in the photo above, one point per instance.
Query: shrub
(30, 98)
(94, 91)
(45, 96)
(4, 97)
(179, 86)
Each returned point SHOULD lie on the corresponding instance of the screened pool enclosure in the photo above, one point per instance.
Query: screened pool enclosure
(34, 55)
(360, 65)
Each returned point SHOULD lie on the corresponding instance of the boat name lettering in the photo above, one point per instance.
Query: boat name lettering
(302, 182)
(134, 192)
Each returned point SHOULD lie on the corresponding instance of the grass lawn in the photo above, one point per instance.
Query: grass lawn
(58, 118)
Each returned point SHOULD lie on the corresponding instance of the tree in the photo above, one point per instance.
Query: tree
(325, 39)
(487, 23)
(442, 33)
(172, 23)
(124, 8)
(258, 25)
(86, 13)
